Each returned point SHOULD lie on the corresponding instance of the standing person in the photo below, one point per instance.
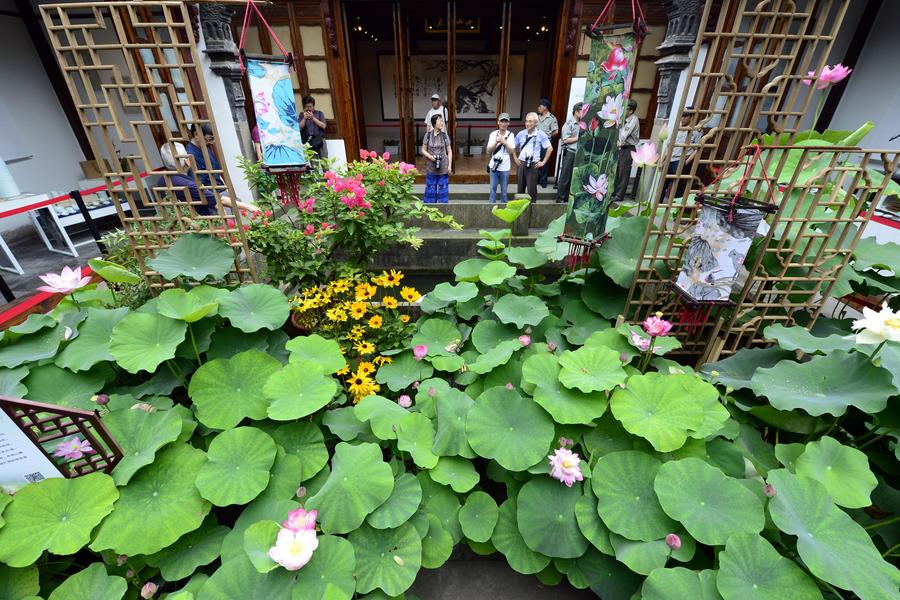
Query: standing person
(568, 146)
(531, 145)
(312, 126)
(629, 136)
(437, 150)
(195, 149)
(501, 146)
(547, 123)
(436, 109)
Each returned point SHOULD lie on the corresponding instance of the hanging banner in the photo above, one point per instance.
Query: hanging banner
(608, 86)
(276, 113)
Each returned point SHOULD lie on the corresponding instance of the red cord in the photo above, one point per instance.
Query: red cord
(246, 27)
(636, 10)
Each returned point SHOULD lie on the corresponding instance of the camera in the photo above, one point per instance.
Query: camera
(495, 162)
(437, 163)
(528, 162)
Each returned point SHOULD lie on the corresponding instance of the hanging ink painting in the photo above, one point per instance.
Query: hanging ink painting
(276, 113)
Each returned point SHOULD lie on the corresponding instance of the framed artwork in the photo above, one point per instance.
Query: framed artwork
(477, 81)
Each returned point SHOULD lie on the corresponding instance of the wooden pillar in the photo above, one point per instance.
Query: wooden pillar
(451, 77)
(505, 36)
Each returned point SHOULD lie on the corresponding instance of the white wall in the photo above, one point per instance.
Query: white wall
(45, 132)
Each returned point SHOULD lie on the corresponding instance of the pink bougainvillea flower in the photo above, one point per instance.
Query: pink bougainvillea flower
(300, 520)
(564, 466)
(381, 183)
(309, 229)
(617, 61)
(656, 326)
(67, 281)
(673, 541)
(363, 155)
(293, 549)
(645, 155)
(597, 187)
(829, 76)
(420, 351)
(525, 339)
(149, 590)
(386, 155)
(639, 342)
(373, 154)
(611, 111)
(404, 400)
(406, 168)
(73, 449)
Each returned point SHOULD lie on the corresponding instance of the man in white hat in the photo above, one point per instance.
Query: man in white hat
(436, 109)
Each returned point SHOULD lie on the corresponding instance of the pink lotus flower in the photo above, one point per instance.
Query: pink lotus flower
(299, 520)
(525, 340)
(420, 351)
(381, 183)
(66, 282)
(829, 76)
(386, 155)
(564, 466)
(415, 385)
(617, 61)
(293, 549)
(597, 187)
(611, 110)
(149, 590)
(645, 155)
(584, 112)
(656, 326)
(673, 541)
(405, 401)
(73, 449)
(641, 343)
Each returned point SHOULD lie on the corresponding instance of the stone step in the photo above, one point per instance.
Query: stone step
(477, 215)
(481, 192)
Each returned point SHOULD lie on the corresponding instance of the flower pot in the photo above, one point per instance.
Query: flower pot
(293, 327)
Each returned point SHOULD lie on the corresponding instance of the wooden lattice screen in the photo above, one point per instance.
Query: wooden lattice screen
(745, 80)
(134, 73)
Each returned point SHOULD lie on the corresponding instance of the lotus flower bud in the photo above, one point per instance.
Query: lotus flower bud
(624, 358)
(101, 399)
(509, 385)
(432, 392)
(405, 401)
(149, 590)
(769, 490)
(673, 541)
(551, 346)
(301, 491)
(121, 560)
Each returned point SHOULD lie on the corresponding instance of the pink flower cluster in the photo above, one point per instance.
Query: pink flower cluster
(296, 540)
(829, 76)
(352, 190)
(656, 326)
(406, 168)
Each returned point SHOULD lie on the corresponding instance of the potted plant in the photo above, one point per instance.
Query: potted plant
(476, 146)
(392, 146)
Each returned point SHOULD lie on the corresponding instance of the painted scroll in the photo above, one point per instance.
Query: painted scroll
(276, 114)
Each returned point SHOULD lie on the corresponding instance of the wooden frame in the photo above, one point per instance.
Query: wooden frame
(124, 115)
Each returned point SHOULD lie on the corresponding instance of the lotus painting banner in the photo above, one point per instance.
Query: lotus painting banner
(608, 85)
(276, 113)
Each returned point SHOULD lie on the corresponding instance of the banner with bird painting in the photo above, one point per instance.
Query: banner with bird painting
(276, 113)
(606, 93)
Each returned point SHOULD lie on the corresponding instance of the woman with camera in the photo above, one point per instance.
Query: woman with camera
(501, 145)
(438, 152)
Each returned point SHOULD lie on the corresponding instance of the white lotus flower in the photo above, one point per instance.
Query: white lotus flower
(67, 281)
(877, 327)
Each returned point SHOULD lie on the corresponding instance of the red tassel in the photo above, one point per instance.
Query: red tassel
(692, 316)
(289, 185)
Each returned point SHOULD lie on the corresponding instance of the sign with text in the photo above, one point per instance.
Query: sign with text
(21, 461)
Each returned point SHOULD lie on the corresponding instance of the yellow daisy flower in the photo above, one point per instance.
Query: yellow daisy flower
(365, 368)
(357, 310)
(360, 386)
(344, 370)
(389, 302)
(410, 294)
(364, 348)
(404, 318)
(375, 322)
(340, 286)
(391, 279)
(382, 360)
(356, 333)
(364, 291)
(337, 315)
(379, 280)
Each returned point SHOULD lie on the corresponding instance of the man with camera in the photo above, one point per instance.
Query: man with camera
(529, 144)
(500, 146)
(312, 125)
(438, 151)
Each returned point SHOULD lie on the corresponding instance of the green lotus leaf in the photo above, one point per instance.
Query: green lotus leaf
(228, 341)
(237, 466)
(255, 306)
(826, 384)
(844, 471)
(495, 357)
(19, 584)
(192, 551)
(870, 254)
(440, 336)
(11, 382)
(180, 305)
(304, 440)
(478, 517)
(582, 322)
(725, 455)
(496, 272)
(507, 539)
(113, 272)
(602, 296)
(238, 578)
(618, 256)
(663, 409)
(512, 210)
(710, 505)
(451, 410)
(49, 383)
(799, 338)
(55, 514)
(158, 506)
(315, 348)
(607, 577)
(329, 573)
(787, 454)
(440, 501)
(360, 482)
(458, 473)
(520, 310)
(429, 389)
(626, 500)
(403, 502)
(93, 583)
(140, 434)
(526, 256)
(512, 430)
(447, 292)
(141, 342)
(343, 423)
(540, 368)
(32, 348)
(546, 518)
(750, 568)
(715, 416)
(488, 334)
(469, 269)
(286, 474)
(258, 538)
(227, 391)
(448, 364)
(437, 544)
(5, 500)
(641, 557)
(196, 256)
(299, 389)
(261, 509)
(34, 323)
(736, 370)
(403, 371)
(670, 584)
(92, 344)
(590, 524)
(591, 369)
(383, 416)
(415, 434)
(386, 559)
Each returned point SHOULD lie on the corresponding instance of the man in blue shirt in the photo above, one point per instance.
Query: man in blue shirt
(529, 145)
(195, 149)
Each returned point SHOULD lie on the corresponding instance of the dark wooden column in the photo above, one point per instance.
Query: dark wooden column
(451, 78)
(505, 35)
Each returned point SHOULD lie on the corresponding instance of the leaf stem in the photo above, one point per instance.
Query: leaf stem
(194, 344)
(177, 372)
(880, 346)
(873, 440)
(889, 550)
(881, 523)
